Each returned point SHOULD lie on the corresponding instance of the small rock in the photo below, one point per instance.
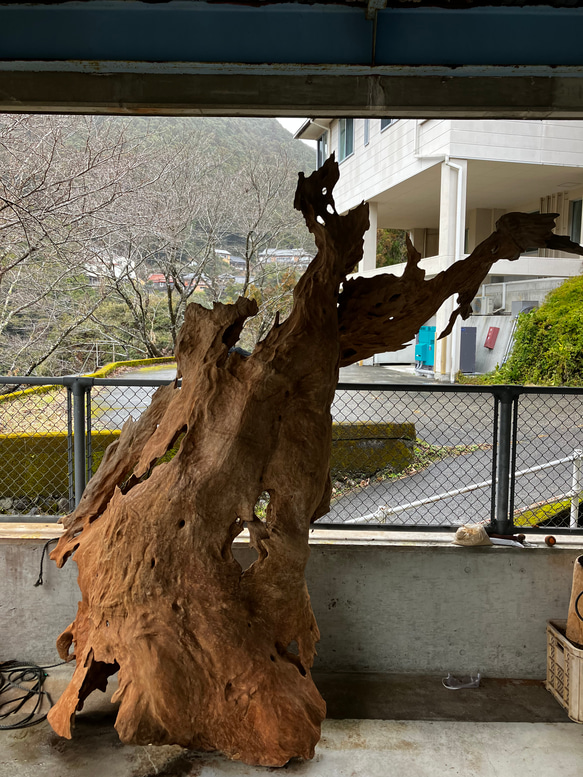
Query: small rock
(6, 504)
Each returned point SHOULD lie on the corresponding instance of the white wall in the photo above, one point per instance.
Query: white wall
(387, 160)
(486, 358)
(406, 608)
(532, 142)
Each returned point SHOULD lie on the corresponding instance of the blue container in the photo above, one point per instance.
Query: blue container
(425, 348)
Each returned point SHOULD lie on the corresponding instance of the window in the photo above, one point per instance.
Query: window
(575, 220)
(387, 123)
(322, 149)
(366, 131)
(345, 138)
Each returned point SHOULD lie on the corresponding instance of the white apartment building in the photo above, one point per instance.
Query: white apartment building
(447, 182)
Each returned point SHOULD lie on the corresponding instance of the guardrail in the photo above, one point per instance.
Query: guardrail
(527, 440)
(574, 495)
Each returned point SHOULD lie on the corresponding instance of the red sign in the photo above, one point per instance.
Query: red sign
(491, 337)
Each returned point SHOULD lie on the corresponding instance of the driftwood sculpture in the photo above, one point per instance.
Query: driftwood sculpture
(205, 650)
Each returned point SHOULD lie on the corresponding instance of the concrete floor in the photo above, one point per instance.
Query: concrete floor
(442, 733)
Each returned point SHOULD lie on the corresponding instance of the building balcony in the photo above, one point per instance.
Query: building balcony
(528, 266)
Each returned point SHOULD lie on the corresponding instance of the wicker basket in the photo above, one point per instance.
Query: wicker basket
(564, 670)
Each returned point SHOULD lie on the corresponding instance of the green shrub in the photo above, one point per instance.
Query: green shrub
(548, 344)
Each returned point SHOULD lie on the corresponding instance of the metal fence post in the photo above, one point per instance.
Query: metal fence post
(70, 468)
(79, 437)
(575, 488)
(503, 523)
(89, 450)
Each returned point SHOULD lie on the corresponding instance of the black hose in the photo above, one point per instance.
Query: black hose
(18, 675)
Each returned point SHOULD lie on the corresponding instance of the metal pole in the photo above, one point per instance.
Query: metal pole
(575, 488)
(513, 472)
(79, 438)
(494, 461)
(504, 524)
(88, 439)
(70, 470)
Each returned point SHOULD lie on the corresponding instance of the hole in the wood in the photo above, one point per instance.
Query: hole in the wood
(181, 524)
(107, 623)
(249, 625)
(320, 220)
(324, 190)
(272, 658)
(394, 297)
(175, 606)
(153, 563)
(291, 654)
(330, 209)
(260, 509)
(253, 556)
(171, 451)
(231, 334)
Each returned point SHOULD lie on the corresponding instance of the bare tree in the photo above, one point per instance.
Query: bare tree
(171, 227)
(61, 179)
(91, 207)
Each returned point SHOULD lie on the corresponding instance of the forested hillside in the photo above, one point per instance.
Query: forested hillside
(93, 208)
(241, 138)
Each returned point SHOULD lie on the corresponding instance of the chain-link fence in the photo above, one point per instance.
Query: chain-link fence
(424, 456)
(435, 442)
(36, 451)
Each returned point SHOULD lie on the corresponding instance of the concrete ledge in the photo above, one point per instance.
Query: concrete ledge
(416, 538)
(386, 602)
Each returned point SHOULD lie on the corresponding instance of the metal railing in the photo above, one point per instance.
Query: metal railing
(574, 495)
(403, 456)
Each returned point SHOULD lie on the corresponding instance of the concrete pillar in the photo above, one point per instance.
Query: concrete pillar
(480, 224)
(452, 225)
(369, 257)
(417, 237)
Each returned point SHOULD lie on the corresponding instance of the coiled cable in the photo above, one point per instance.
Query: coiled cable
(29, 680)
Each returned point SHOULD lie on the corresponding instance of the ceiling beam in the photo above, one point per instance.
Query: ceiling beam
(399, 93)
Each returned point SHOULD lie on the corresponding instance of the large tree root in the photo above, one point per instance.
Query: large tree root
(211, 656)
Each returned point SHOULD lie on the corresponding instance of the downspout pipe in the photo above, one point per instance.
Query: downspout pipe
(459, 229)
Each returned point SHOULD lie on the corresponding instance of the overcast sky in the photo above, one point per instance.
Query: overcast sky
(293, 125)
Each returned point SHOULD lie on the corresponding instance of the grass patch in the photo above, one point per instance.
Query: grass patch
(554, 512)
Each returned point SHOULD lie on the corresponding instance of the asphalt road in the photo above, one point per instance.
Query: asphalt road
(549, 428)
